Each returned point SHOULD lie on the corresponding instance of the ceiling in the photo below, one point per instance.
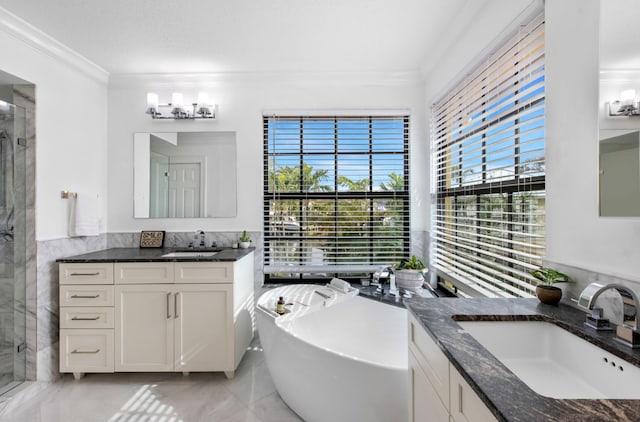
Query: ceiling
(209, 36)
(152, 36)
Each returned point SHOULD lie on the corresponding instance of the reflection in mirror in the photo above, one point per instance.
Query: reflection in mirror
(619, 173)
(619, 161)
(184, 175)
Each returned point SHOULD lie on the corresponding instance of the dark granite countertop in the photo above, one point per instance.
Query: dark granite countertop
(508, 398)
(152, 255)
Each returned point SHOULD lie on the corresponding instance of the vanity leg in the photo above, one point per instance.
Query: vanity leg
(229, 374)
(185, 373)
(78, 375)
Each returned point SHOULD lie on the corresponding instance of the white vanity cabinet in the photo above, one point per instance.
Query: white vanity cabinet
(86, 318)
(438, 392)
(181, 316)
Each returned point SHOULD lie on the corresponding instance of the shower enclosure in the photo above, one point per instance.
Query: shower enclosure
(12, 245)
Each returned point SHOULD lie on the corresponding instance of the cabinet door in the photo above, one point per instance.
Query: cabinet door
(466, 406)
(144, 328)
(204, 327)
(424, 403)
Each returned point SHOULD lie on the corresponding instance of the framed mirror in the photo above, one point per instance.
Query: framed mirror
(184, 174)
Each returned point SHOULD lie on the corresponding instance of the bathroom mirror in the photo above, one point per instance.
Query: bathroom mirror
(619, 173)
(618, 141)
(184, 174)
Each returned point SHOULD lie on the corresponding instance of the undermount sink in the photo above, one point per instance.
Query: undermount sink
(554, 362)
(190, 254)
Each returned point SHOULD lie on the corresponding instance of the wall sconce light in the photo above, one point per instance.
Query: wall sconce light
(202, 109)
(627, 105)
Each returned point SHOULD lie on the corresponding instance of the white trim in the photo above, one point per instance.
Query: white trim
(38, 40)
(336, 112)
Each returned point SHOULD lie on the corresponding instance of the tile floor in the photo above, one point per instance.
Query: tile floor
(160, 397)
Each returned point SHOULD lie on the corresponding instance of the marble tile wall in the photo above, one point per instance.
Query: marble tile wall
(610, 300)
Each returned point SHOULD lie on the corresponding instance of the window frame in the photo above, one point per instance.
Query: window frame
(455, 273)
(351, 271)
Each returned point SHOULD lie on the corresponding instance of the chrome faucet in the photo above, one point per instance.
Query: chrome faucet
(202, 238)
(626, 333)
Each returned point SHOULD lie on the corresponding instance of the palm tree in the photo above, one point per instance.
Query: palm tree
(395, 183)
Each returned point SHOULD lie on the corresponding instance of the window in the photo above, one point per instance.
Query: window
(488, 162)
(336, 195)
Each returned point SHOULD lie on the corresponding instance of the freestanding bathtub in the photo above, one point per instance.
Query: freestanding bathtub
(336, 357)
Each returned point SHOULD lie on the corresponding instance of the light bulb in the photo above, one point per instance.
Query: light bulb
(152, 103)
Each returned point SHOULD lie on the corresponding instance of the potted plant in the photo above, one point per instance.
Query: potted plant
(410, 273)
(244, 240)
(545, 290)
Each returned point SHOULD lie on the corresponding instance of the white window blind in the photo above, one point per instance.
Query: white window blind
(488, 161)
(336, 194)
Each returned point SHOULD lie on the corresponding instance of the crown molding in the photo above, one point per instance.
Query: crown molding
(189, 80)
(38, 40)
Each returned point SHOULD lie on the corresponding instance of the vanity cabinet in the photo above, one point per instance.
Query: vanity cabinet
(437, 390)
(172, 316)
(86, 318)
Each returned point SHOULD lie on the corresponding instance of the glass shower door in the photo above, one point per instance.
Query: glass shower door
(12, 246)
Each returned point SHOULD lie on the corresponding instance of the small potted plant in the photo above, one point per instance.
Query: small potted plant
(545, 290)
(244, 240)
(410, 273)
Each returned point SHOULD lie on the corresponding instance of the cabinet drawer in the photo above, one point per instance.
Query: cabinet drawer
(428, 355)
(98, 273)
(86, 350)
(204, 272)
(86, 295)
(86, 317)
(143, 272)
(466, 406)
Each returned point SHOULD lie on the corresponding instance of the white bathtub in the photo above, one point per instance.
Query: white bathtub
(345, 360)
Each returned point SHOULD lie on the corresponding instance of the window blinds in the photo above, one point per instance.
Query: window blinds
(488, 162)
(336, 194)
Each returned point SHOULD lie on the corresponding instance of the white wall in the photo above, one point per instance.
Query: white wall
(242, 98)
(71, 97)
(576, 235)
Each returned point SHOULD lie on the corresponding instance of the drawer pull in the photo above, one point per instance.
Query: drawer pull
(84, 274)
(168, 304)
(95, 318)
(85, 296)
(86, 352)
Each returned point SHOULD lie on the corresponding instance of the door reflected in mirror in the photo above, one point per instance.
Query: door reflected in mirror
(619, 173)
(184, 175)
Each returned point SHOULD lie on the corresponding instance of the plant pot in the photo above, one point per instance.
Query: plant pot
(244, 245)
(410, 279)
(549, 294)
